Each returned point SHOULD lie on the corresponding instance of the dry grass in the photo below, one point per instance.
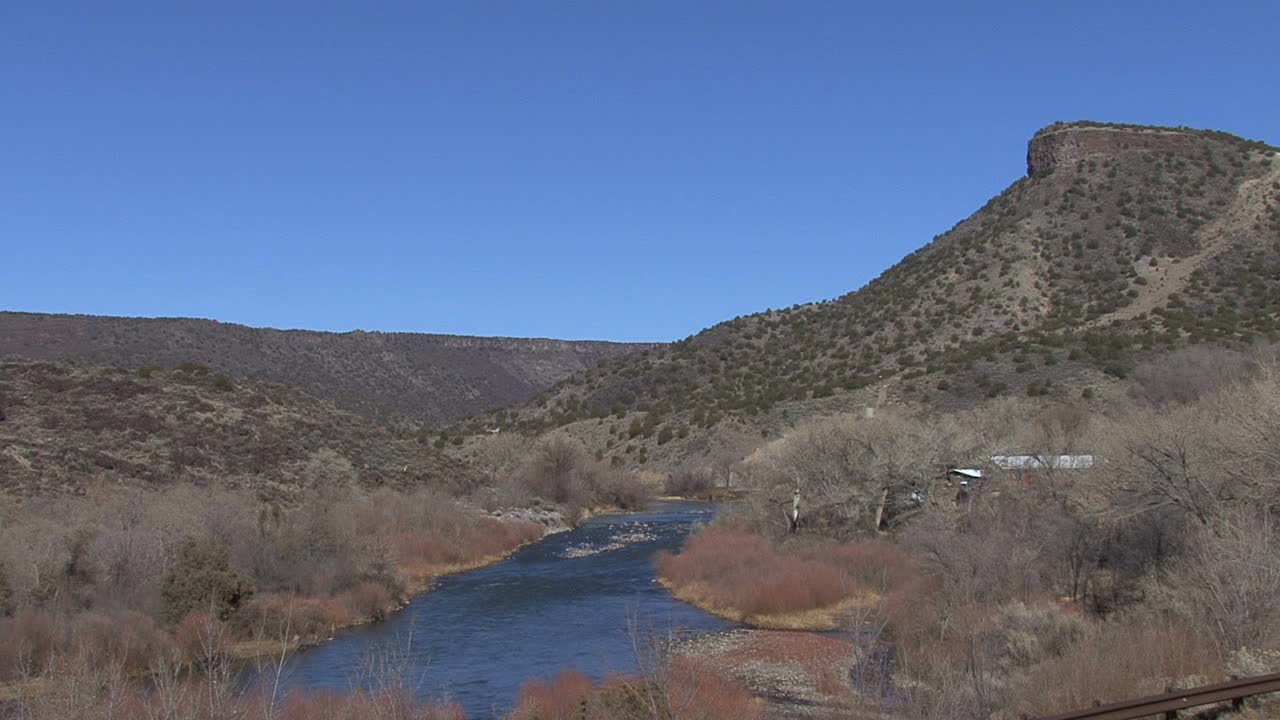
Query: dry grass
(1119, 661)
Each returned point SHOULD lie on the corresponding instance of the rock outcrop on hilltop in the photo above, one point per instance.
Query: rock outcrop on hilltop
(1068, 144)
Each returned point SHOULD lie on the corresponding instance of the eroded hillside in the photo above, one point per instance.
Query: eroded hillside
(1121, 243)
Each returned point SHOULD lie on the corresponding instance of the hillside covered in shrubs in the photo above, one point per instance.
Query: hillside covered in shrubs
(1121, 244)
(417, 376)
(160, 528)
(64, 427)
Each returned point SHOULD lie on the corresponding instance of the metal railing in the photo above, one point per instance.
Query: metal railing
(1168, 704)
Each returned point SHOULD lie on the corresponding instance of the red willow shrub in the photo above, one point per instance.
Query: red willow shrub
(466, 543)
(318, 617)
(126, 638)
(28, 641)
(560, 698)
(874, 565)
(739, 570)
(742, 571)
(31, 639)
(696, 691)
(686, 689)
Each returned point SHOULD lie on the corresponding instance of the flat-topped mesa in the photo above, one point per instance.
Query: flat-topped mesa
(1064, 145)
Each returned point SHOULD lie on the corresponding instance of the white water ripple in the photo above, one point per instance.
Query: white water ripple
(629, 535)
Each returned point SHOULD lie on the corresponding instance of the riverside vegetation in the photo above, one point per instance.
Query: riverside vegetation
(168, 525)
(1031, 593)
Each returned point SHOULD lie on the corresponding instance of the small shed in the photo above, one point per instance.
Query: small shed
(966, 476)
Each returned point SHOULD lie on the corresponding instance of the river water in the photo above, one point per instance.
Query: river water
(570, 601)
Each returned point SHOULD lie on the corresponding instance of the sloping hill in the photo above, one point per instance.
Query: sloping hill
(428, 377)
(63, 427)
(1122, 242)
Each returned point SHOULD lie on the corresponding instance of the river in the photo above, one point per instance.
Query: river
(569, 601)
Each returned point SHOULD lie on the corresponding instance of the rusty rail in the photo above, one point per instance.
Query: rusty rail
(1168, 704)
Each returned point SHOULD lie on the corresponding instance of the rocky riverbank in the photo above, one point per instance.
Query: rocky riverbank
(799, 674)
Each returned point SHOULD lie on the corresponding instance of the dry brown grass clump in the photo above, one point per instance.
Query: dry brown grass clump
(1117, 661)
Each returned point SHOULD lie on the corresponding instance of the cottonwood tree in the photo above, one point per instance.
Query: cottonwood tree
(1165, 460)
(1205, 460)
(498, 455)
(1251, 434)
(856, 472)
(1229, 580)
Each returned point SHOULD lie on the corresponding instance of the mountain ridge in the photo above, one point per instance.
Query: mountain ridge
(431, 377)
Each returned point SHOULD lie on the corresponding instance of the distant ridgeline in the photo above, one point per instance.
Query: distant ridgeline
(414, 375)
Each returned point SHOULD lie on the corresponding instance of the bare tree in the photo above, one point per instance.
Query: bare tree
(1229, 581)
(856, 473)
(1189, 374)
(1217, 456)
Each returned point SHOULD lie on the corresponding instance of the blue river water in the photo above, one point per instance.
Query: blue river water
(575, 600)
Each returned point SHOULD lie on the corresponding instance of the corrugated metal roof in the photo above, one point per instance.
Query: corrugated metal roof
(1040, 462)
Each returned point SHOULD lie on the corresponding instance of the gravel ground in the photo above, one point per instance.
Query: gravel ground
(799, 674)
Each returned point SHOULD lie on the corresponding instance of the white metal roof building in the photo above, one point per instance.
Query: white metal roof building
(1043, 462)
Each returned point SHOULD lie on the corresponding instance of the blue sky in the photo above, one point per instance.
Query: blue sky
(614, 170)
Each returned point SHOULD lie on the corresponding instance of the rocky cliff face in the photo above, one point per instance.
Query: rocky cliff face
(1067, 145)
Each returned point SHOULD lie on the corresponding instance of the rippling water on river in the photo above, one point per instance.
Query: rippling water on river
(568, 601)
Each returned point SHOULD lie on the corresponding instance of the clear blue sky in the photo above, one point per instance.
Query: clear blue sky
(601, 169)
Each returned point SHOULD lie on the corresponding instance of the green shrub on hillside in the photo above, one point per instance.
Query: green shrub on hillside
(202, 579)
